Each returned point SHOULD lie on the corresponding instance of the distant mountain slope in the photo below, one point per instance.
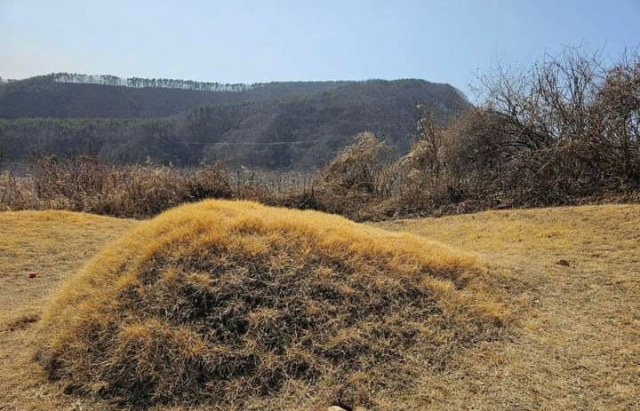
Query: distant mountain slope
(288, 131)
(44, 97)
(319, 125)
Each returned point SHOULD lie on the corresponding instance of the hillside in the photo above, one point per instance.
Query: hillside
(289, 131)
(44, 97)
(575, 338)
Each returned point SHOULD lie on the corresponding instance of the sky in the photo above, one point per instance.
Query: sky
(235, 41)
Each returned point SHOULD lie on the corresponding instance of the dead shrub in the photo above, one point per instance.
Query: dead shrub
(355, 169)
(357, 178)
(564, 131)
(84, 183)
(210, 182)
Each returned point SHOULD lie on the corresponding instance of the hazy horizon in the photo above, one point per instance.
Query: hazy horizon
(264, 41)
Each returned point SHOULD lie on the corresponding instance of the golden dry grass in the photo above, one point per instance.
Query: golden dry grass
(243, 306)
(52, 244)
(575, 346)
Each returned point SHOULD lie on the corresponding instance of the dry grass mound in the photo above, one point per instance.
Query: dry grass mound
(244, 306)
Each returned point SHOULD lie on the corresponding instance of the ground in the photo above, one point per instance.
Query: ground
(578, 346)
(50, 245)
(573, 275)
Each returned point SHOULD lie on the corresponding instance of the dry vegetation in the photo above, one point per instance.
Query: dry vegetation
(543, 314)
(248, 307)
(565, 132)
(574, 344)
(52, 245)
(577, 347)
(85, 183)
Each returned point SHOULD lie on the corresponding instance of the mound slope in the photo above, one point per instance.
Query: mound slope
(235, 303)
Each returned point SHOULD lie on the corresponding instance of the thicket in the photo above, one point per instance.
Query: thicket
(566, 131)
(85, 183)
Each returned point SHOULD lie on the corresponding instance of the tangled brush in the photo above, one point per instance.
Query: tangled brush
(237, 305)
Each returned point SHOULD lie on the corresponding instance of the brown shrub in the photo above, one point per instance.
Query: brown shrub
(357, 178)
(564, 131)
(87, 184)
(355, 169)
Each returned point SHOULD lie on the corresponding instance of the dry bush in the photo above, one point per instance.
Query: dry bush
(357, 179)
(616, 130)
(84, 183)
(355, 169)
(10, 190)
(564, 131)
(424, 181)
(209, 182)
(268, 186)
(243, 306)
(291, 189)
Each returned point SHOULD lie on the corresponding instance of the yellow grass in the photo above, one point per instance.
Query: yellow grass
(575, 345)
(52, 244)
(239, 305)
(578, 345)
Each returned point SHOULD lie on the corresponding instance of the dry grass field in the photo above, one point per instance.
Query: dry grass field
(52, 245)
(577, 344)
(570, 275)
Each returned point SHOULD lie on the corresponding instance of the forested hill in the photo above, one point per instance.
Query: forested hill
(278, 125)
(80, 96)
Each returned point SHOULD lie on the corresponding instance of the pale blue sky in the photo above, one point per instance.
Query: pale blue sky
(254, 41)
